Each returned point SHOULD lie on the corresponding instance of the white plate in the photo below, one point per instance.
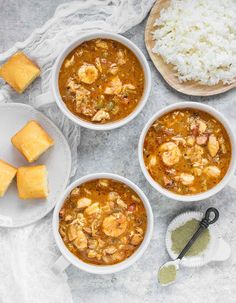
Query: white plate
(15, 212)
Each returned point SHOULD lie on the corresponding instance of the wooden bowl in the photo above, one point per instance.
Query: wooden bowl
(166, 70)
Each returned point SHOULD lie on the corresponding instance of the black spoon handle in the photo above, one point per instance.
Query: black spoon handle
(206, 221)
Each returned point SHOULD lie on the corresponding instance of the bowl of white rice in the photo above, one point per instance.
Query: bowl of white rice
(193, 44)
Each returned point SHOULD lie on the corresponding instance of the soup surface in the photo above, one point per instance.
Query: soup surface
(101, 81)
(103, 222)
(187, 151)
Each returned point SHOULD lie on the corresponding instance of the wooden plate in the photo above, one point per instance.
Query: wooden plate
(167, 71)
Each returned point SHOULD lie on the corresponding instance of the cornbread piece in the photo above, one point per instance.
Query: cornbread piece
(7, 174)
(32, 182)
(19, 72)
(32, 141)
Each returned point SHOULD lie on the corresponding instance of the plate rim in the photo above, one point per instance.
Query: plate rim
(66, 144)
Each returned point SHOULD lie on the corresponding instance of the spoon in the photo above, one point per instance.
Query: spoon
(174, 265)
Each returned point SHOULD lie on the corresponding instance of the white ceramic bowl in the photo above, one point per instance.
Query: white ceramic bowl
(54, 94)
(227, 178)
(68, 258)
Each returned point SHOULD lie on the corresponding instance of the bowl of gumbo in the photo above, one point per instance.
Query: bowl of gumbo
(186, 151)
(103, 222)
(103, 81)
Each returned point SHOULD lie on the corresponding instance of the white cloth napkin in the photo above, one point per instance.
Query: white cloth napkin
(26, 254)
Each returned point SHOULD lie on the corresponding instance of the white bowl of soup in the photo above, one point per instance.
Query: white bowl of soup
(187, 151)
(100, 81)
(102, 224)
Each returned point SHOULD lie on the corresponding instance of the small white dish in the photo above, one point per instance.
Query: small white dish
(68, 258)
(15, 212)
(229, 178)
(54, 94)
(217, 249)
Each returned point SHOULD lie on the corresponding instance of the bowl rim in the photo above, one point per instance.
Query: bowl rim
(232, 167)
(107, 269)
(106, 35)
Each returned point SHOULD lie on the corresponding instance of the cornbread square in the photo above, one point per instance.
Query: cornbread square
(19, 72)
(32, 182)
(32, 141)
(7, 174)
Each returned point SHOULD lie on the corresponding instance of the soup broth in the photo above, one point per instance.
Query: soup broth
(187, 151)
(101, 81)
(103, 222)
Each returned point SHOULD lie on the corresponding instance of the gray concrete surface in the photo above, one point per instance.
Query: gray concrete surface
(116, 151)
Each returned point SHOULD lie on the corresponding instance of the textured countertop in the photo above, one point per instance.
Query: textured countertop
(116, 151)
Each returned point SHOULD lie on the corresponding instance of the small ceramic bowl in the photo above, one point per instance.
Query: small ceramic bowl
(229, 178)
(68, 258)
(54, 94)
(217, 249)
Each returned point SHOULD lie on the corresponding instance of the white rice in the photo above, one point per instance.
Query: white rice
(199, 38)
